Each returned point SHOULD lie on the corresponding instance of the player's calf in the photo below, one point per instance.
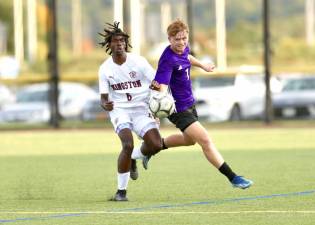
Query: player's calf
(134, 174)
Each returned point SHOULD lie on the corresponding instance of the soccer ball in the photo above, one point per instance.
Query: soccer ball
(161, 104)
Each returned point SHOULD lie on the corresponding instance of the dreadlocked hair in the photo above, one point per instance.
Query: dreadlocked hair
(109, 32)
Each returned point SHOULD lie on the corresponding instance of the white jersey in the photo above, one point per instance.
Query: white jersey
(127, 85)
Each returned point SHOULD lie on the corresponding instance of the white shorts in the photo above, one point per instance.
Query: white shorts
(137, 119)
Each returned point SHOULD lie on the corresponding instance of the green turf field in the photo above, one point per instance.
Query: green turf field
(66, 177)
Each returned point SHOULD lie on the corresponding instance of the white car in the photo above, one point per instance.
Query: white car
(92, 110)
(6, 96)
(297, 98)
(224, 97)
(32, 103)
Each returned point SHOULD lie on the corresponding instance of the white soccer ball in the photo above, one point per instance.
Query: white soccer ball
(161, 104)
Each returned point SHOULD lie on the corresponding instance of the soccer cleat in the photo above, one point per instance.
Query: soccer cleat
(120, 196)
(134, 170)
(145, 161)
(241, 182)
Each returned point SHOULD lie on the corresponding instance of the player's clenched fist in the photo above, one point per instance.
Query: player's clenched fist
(155, 85)
(108, 105)
(208, 67)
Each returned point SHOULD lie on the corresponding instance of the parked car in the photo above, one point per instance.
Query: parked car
(297, 98)
(6, 96)
(9, 67)
(230, 97)
(92, 110)
(32, 102)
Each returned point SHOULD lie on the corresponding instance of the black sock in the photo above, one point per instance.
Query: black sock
(227, 171)
(163, 144)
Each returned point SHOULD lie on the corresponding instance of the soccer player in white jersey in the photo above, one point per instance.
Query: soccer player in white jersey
(124, 81)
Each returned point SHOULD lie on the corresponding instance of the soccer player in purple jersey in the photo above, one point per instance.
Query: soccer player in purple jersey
(173, 73)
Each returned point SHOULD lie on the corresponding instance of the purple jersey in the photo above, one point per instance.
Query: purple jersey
(174, 70)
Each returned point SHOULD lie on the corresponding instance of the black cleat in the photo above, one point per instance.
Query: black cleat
(120, 196)
(145, 161)
(134, 170)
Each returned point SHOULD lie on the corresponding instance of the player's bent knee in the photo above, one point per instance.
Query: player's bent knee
(156, 145)
(204, 142)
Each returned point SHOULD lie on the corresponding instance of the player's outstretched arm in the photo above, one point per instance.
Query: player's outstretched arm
(106, 105)
(208, 67)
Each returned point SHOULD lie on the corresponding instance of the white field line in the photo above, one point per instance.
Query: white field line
(168, 212)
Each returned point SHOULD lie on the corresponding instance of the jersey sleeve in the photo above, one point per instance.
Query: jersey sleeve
(164, 71)
(102, 81)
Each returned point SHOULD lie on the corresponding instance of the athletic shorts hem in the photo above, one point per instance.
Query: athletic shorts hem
(184, 119)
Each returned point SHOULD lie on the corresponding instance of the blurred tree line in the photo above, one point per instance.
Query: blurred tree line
(243, 21)
(6, 17)
(244, 32)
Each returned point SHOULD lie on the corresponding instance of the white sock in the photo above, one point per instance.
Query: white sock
(123, 179)
(137, 154)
